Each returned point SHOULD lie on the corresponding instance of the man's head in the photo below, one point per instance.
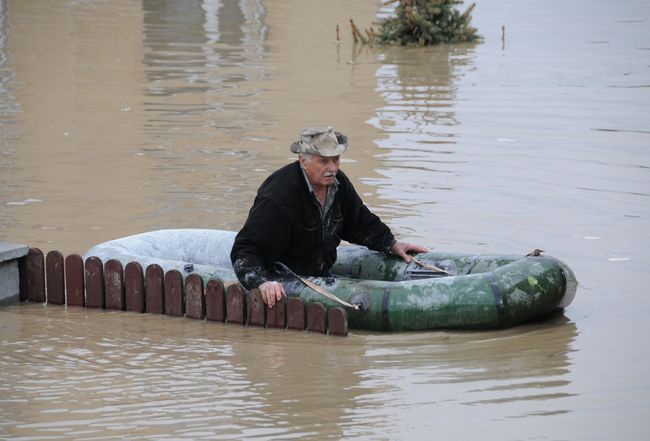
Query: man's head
(320, 149)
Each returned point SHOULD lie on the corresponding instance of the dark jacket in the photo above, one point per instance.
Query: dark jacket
(285, 225)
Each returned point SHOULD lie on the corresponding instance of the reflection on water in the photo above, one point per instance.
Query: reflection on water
(420, 90)
(7, 76)
(204, 62)
(85, 373)
(81, 373)
(206, 48)
(494, 376)
(8, 107)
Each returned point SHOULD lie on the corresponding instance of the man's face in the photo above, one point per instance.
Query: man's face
(320, 171)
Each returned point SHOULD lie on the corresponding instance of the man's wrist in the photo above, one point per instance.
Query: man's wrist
(390, 245)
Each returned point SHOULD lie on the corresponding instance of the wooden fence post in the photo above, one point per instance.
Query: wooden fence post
(32, 276)
(194, 298)
(155, 294)
(114, 285)
(235, 304)
(174, 293)
(255, 313)
(74, 280)
(134, 287)
(215, 301)
(54, 278)
(317, 318)
(296, 314)
(94, 283)
(337, 321)
(276, 317)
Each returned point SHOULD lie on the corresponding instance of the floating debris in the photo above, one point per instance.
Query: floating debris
(422, 23)
(535, 253)
(21, 203)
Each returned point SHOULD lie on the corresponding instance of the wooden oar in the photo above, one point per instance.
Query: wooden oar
(322, 291)
(431, 267)
(282, 268)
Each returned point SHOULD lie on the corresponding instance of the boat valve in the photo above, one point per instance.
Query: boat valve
(362, 301)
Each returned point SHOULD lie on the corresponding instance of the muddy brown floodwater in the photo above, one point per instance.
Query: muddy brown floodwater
(122, 117)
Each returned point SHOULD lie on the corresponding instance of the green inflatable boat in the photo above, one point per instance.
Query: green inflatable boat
(439, 291)
(474, 292)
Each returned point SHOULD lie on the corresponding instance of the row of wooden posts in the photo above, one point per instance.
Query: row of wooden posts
(93, 284)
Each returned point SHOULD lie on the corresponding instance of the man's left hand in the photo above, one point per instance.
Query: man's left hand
(402, 248)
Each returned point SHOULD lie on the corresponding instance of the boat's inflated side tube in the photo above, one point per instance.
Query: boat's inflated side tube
(201, 251)
(483, 291)
(492, 295)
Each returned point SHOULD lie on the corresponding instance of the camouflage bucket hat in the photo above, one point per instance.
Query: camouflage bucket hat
(321, 141)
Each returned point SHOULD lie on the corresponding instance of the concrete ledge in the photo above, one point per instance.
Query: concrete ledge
(10, 251)
(9, 276)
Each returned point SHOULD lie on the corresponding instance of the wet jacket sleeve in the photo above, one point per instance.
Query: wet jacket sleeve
(256, 247)
(360, 225)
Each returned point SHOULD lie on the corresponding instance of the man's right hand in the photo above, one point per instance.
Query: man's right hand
(272, 292)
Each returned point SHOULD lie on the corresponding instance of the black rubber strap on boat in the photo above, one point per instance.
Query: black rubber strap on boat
(471, 268)
(384, 310)
(498, 298)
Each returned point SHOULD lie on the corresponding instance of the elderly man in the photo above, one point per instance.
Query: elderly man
(301, 213)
